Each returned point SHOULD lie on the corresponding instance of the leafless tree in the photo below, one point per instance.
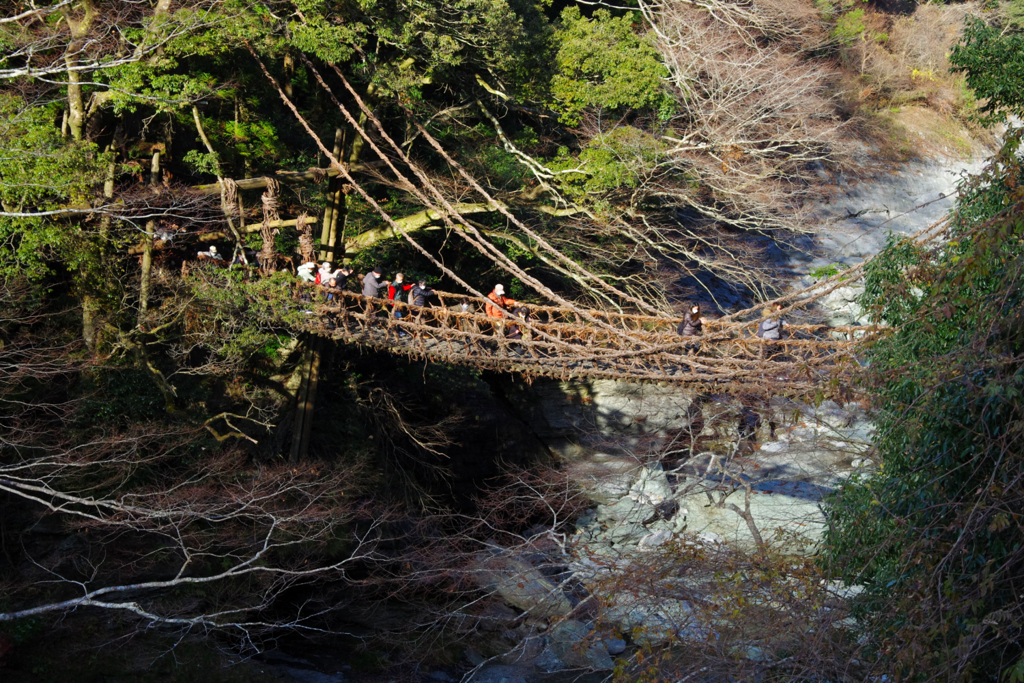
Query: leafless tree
(754, 115)
(154, 526)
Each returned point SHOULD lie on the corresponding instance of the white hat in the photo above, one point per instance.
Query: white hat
(499, 289)
(327, 264)
(213, 249)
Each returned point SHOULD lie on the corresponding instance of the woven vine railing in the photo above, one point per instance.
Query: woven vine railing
(559, 343)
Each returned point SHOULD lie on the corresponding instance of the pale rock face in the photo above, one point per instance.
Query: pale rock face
(858, 214)
(650, 487)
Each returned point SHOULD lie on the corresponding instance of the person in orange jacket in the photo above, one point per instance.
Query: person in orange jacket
(499, 299)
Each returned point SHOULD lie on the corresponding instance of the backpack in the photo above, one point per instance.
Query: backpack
(760, 329)
(317, 279)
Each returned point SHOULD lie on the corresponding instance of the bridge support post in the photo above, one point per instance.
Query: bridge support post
(305, 400)
(335, 204)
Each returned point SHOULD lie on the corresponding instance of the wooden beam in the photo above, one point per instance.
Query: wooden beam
(214, 236)
(286, 177)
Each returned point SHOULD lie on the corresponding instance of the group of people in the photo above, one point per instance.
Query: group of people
(417, 293)
(770, 328)
(503, 309)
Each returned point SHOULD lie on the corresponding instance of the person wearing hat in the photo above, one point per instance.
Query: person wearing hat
(307, 271)
(372, 282)
(325, 272)
(499, 299)
(497, 296)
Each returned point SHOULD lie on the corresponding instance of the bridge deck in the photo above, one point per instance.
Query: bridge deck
(567, 344)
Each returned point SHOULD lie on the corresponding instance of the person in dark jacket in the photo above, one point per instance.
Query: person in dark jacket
(372, 282)
(522, 314)
(420, 293)
(693, 324)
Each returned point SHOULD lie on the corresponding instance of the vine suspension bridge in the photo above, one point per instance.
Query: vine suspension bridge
(576, 343)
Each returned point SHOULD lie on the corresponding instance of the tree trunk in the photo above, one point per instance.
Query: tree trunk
(335, 198)
(76, 100)
(147, 254)
(305, 400)
(90, 306)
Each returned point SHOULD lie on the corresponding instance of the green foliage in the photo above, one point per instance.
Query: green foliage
(202, 162)
(40, 172)
(930, 536)
(1014, 12)
(603, 63)
(849, 26)
(993, 63)
(612, 161)
(454, 40)
(827, 271)
(242, 322)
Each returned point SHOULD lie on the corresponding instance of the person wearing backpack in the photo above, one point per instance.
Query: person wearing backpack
(770, 329)
(419, 294)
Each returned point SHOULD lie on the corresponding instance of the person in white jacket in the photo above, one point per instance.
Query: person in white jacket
(306, 271)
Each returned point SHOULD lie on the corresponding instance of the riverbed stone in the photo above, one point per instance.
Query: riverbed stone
(604, 477)
(577, 417)
(500, 673)
(654, 539)
(614, 645)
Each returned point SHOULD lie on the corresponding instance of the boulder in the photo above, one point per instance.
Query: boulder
(523, 586)
(614, 645)
(606, 478)
(650, 487)
(655, 539)
(573, 643)
(578, 416)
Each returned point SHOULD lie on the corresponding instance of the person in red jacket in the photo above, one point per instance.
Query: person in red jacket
(398, 288)
(497, 296)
